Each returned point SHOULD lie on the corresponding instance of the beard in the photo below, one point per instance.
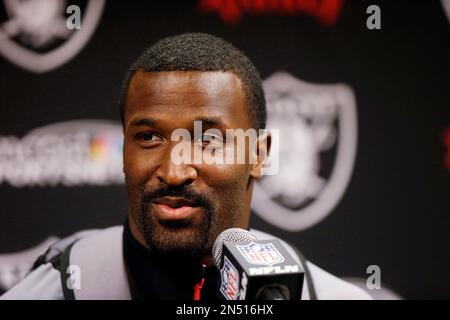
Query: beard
(190, 238)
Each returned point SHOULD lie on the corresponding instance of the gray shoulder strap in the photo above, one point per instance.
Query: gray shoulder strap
(99, 258)
(308, 275)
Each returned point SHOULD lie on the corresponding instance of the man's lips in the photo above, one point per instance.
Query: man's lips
(172, 208)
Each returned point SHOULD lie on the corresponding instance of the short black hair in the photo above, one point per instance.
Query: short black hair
(202, 52)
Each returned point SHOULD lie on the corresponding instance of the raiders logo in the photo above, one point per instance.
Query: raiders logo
(35, 36)
(317, 147)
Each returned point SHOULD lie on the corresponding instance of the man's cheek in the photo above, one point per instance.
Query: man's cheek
(226, 180)
(138, 168)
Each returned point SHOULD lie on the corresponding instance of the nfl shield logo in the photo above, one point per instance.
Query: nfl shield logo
(261, 253)
(229, 286)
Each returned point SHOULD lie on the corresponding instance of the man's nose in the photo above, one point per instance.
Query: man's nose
(175, 174)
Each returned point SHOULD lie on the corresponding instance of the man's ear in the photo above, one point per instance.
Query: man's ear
(123, 151)
(260, 154)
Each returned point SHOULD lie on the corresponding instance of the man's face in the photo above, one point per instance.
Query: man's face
(181, 208)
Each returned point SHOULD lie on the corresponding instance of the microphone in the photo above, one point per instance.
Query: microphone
(252, 269)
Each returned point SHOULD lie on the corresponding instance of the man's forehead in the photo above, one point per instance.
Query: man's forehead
(211, 83)
(181, 92)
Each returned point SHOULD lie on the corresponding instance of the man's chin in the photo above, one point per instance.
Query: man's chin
(187, 240)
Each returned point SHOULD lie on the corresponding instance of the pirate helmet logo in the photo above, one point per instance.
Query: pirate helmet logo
(317, 147)
(35, 36)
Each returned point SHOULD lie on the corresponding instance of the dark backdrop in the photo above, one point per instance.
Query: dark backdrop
(395, 212)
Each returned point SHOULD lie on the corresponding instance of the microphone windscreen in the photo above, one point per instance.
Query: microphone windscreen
(230, 235)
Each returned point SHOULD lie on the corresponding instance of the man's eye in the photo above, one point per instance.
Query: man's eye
(148, 138)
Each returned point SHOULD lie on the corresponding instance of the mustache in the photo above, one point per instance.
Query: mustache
(184, 191)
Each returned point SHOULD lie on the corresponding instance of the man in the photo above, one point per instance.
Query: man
(176, 209)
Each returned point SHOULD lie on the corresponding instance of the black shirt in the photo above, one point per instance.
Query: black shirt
(155, 277)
